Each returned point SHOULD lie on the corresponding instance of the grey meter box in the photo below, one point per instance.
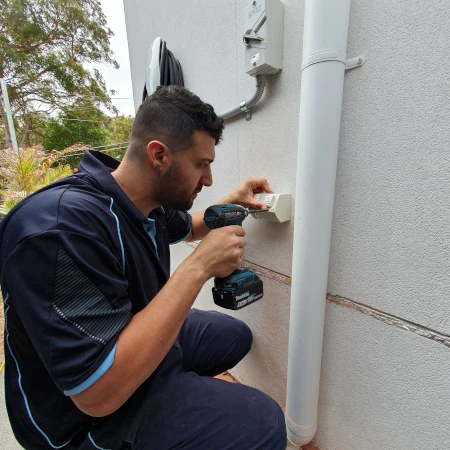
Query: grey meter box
(263, 37)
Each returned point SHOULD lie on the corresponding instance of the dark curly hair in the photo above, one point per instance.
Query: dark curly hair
(171, 115)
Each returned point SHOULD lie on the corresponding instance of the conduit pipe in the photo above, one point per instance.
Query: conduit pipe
(247, 105)
(324, 59)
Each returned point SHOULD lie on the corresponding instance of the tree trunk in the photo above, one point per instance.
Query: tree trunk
(25, 132)
(8, 141)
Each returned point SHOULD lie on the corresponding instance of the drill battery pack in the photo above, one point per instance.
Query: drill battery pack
(242, 288)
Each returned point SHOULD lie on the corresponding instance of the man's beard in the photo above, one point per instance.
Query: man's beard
(170, 192)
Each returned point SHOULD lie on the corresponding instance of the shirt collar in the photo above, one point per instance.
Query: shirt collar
(100, 166)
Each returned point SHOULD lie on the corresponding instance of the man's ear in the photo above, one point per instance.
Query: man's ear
(159, 156)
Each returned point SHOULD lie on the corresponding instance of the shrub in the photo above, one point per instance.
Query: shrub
(29, 169)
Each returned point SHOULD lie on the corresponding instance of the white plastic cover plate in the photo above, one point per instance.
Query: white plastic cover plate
(279, 204)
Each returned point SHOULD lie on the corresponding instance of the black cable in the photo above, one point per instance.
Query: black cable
(180, 74)
(163, 65)
(170, 69)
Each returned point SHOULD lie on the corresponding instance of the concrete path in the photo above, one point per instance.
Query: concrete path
(7, 439)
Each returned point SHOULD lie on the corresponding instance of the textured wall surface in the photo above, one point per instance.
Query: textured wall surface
(206, 37)
(382, 387)
(391, 234)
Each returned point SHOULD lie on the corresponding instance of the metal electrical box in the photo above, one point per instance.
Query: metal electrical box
(263, 37)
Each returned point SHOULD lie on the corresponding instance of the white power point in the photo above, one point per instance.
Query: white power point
(279, 207)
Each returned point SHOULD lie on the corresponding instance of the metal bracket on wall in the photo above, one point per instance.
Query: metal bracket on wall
(357, 61)
(248, 111)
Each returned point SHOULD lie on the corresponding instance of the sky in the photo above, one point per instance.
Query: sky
(119, 80)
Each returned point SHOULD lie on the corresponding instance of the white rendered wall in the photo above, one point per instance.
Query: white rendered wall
(383, 387)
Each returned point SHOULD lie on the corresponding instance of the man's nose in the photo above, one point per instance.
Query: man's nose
(207, 179)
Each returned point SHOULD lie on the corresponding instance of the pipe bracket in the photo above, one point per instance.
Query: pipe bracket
(332, 55)
(246, 110)
(357, 61)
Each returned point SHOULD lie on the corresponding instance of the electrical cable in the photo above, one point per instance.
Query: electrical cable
(170, 69)
(68, 155)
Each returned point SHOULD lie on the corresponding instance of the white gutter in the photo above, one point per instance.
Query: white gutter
(323, 68)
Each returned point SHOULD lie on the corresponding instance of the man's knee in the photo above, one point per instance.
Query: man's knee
(246, 338)
(271, 423)
(240, 343)
(279, 439)
(231, 331)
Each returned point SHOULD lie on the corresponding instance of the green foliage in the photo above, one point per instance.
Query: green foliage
(45, 47)
(31, 128)
(89, 126)
(28, 170)
(119, 128)
(76, 124)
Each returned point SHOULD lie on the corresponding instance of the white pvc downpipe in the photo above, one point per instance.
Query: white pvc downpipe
(324, 54)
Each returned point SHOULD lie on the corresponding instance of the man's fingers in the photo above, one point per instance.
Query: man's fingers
(242, 243)
(256, 205)
(266, 187)
(238, 231)
(259, 185)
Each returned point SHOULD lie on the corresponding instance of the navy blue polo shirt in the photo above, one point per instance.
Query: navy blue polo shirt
(77, 260)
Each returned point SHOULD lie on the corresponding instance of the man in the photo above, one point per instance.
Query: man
(102, 349)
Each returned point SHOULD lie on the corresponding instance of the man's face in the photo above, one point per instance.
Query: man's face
(189, 172)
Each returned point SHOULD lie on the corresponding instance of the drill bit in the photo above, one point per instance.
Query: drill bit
(252, 211)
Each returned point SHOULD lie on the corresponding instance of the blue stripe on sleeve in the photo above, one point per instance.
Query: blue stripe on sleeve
(106, 364)
(120, 236)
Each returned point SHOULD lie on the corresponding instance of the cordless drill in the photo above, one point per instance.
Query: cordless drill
(243, 286)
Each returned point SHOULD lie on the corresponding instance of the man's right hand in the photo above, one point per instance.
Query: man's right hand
(220, 252)
(154, 329)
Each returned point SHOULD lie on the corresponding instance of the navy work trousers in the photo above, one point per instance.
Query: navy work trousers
(182, 407)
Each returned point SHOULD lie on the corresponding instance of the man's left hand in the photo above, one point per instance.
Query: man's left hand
(243, 193)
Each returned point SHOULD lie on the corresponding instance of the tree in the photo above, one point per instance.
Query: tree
(45, 46)
(31, 129)
(89, 126)
(119, 128)
(77, 124)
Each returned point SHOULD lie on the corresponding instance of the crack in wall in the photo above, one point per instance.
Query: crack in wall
(386, 318)
(390, 319)
(259, 270)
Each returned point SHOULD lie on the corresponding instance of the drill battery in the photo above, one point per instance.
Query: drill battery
(240, 289)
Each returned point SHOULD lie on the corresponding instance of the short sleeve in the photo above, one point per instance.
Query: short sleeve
(179, 225)
(71, 295)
